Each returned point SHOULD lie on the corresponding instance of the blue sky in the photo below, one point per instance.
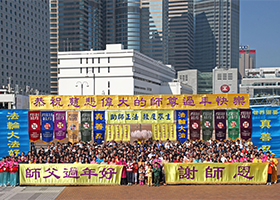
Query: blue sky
(260, 29)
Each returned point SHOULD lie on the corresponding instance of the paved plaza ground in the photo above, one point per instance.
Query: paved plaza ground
(209, 192)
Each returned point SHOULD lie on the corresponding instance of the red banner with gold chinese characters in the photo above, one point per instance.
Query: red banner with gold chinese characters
(194, 116)
(34, 125)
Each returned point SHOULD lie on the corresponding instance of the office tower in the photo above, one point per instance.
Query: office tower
(216, 34)
(247, 59)
(180, 28)
(154, 29)
(75, 26)
(25, 45)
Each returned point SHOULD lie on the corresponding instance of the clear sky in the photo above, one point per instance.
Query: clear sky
(260, 29)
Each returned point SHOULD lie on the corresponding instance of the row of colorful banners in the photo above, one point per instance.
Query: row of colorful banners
(138, 102)
(140, 116)
(266, 128)
(13, 132)
(70, 174)
(216, 173)
(52, 125)
(233, 121)
(118, 133)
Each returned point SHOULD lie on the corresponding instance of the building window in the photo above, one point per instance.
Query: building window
(81, 70)
(92, 69)
(108, 92)
(87, 70)
(108, 60)
(224, 76)
(219, 77)
(92, 60)
(108, 84)
(86, 60)
(81, 61)
(230, 76)
(98, 60)
(108, 69)
(98, 69)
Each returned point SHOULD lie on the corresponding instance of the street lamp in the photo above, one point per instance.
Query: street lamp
(82, 86)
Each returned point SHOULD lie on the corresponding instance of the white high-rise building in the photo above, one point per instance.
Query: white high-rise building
(25, 45)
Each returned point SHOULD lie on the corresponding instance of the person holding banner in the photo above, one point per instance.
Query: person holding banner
(270, 166)
(5, 173)
(14, 173)
(274, 168)
(123, 177)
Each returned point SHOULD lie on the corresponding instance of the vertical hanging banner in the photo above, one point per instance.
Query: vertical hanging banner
(220, 124)
(73, 126)
(109, 132)
(34, 126)
(245, 124)
(233, 124)
(86, 127)
(13, 132)
(182, 125)
(60, 125)
(118, 132)
(99, 126)
(47, 126)
(266, 128)
(194, 119)
(155, 132)
(171, 132)
(207, 124)
(163, 132)
(126, 133)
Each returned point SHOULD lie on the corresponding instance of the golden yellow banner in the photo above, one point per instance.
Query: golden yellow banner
(141, 117)
(73, 126)
(70, 174)
(109, 132)
(216, 173)
(138, 102)
(155, 132)
(126, 133)
(118, 132)
(163, 132)
(172, 131)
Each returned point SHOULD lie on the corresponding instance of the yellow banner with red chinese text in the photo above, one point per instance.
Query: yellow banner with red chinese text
(216, 173)
(138, 102)
(70, 174)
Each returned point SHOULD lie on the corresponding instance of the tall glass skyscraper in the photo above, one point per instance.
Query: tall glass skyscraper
(216, 34)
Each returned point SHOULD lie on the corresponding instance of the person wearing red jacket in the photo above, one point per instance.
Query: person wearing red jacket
(135, 170)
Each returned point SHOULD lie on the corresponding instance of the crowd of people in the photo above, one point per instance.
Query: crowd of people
(143, 162)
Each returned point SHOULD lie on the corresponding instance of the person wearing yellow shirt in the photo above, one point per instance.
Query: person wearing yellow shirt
(257, 160)
(274, 168)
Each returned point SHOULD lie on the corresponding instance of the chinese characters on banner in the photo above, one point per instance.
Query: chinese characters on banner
(70, 174)
(266, 128)
(156, 134)
(14, 132)
(99, 126)
(172, 132)
(118, 132)
(194, 119)
(144, 117)
(126, 133)
(246, 124)
(34, 126)
(182, 125)
(220, 124)
(207, 124)
(60, 125)
(110, 132)
(138, 102)
(213, 173)
(47, 126)
(233, 124)
(73, 126)
(163, 132)
(86, 127)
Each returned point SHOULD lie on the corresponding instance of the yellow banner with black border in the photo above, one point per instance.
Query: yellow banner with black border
(216, 173)
(138, 102)
(70, 174)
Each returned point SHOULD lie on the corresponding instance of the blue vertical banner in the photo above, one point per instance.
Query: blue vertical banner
(14, 135)
(47, 126)
(266, 129)
(99, 126)
(182, 125)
